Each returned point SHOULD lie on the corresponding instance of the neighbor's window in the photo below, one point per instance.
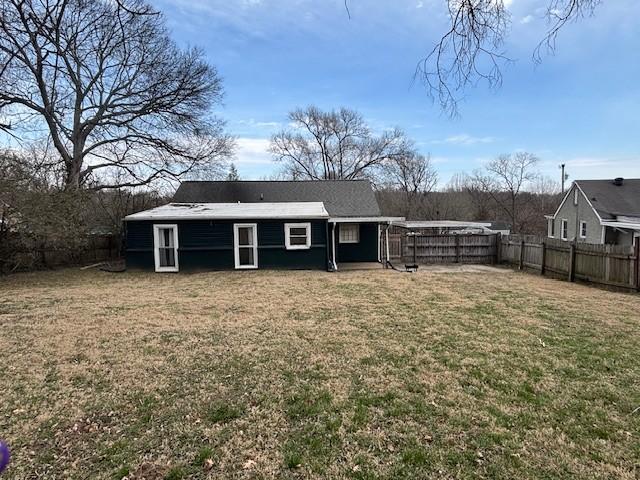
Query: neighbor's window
(565, 229)
(575, 196)
(297, 236)
(552, 227)
(583, 229)
(165, 240)
(349, 233)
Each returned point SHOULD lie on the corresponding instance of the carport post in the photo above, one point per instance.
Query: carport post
(637, 263)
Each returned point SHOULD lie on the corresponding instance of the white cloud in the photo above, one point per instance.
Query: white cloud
(419, 4)
(527, 19)
(253, 123)
(253, 151)
(464, 139)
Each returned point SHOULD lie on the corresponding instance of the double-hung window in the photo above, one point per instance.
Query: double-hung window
(297, 236)
(583, 229)
(349, 233)
(165, 247)
(564, 231)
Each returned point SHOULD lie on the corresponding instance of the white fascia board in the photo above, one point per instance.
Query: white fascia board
(614, 224)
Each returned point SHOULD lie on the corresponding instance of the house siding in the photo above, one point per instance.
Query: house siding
(366, 250)
(208, 245)
(576, 214)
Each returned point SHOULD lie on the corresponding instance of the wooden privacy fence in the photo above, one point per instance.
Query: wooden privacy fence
(613, 265)
(432, 248)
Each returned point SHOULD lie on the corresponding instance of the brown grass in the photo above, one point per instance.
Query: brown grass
(370, 374)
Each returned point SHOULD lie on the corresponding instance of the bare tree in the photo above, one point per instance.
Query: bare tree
(471, 50)
(505, 179)
(109, 88)
(412, 174)
(334, 145)
(233, 175)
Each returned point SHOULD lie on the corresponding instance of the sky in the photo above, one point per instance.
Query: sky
(580, 106)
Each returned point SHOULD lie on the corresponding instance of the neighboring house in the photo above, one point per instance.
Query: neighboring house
(259, 224)
(598, 211)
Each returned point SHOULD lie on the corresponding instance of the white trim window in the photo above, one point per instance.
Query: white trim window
(583, 229)
(551, 227)
(575, 196)
(297, 236)
(349, 233)
(564, 229)
(245, 245)
(165, 248)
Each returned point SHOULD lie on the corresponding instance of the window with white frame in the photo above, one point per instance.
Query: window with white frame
(165, 247)
(575, 196)
(551, 228)
(349, 233)
(564, 229)
(297, 236)
(583, 229)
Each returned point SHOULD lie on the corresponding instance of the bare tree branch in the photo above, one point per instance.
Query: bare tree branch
(111, 89)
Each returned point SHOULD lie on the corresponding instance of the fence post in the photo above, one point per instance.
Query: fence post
(544, 257)
(457, 248)
(572, 261)
(415, 248)
(522, 245)
(498, 248)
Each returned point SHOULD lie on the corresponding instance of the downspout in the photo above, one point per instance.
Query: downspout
(333, 246)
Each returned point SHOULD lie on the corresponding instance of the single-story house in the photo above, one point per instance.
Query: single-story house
(259, 224)
(598, 211)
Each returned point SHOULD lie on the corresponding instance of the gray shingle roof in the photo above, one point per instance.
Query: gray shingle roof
(611, 200)
(342, 198)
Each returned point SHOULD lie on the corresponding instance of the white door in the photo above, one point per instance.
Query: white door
(245, 241)
(166, 248)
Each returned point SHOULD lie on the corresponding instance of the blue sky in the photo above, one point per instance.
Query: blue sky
(579, 106)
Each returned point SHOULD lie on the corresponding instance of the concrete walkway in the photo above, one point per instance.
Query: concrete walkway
(438, 268)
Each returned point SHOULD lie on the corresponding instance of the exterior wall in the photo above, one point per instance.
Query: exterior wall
(208, 245)
(366, 250)
(574, 215)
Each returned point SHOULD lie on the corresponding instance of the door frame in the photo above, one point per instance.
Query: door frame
(236, 246)
(156, 247)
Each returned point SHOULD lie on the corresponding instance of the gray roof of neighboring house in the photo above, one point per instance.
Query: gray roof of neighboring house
(342, 198)
(612, 200)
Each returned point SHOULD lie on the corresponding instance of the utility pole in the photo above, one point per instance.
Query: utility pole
(564, 177)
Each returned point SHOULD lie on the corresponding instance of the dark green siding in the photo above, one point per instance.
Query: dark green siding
(208, 245)
(364, 251)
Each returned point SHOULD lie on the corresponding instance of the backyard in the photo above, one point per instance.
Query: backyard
(362, 374)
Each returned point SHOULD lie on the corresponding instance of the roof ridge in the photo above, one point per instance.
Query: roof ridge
(277, 181)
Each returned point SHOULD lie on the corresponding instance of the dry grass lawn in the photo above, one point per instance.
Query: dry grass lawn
(359, 375)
